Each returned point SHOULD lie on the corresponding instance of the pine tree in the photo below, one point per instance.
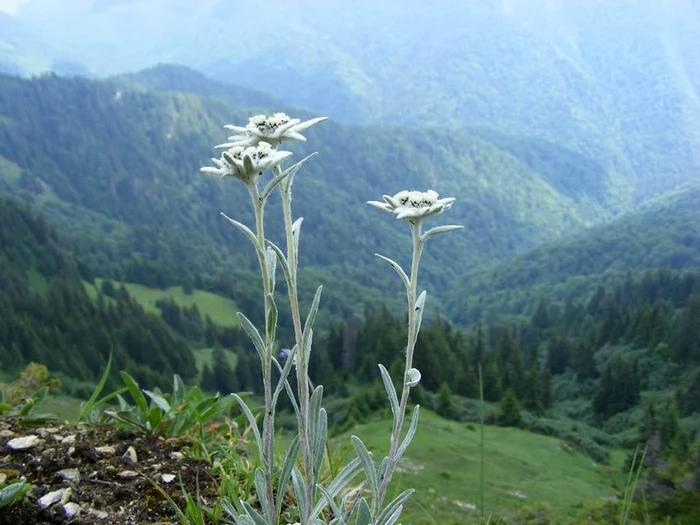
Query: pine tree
(509, 415)
(670, 427)
(445, 405)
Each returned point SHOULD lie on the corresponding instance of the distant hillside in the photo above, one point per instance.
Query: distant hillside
(665, 233)
(173, 78)
(25, 50)
(47, 317)
(617, 82)
(116, 169)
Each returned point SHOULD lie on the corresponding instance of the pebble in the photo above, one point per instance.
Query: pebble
(72, 475)
(70, 509)
(23, 442)
(6, 433)
(68, 440)
(106, 450)
(99, 514)
(127, 474)
(130, 455)
(52, 497)
(167, 478)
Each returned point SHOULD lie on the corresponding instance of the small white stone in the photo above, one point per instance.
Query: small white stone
(106, 450)
(127, 474)
(71, 509)
(68, 440)
(167, 478)
(3, 477)
(130, 455)
(99, 514)
(52, 497)
(23, 443)
(177, 455)
(6, 433)
(72, 475)
(66, 496)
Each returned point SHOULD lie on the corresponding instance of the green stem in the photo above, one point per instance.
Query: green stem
(410, 348)
(302, 361)
(268, 422)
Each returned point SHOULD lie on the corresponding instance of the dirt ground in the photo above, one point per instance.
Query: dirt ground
(98, 475)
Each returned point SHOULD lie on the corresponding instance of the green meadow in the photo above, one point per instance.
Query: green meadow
(222, 311)
(522, 470)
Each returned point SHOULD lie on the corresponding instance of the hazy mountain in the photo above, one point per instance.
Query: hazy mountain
(615, 81)
(116, 168)
(664, 233)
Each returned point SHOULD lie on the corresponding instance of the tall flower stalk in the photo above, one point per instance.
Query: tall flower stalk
(251, 150)
(414, 207)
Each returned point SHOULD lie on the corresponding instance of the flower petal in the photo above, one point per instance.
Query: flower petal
(381, 205)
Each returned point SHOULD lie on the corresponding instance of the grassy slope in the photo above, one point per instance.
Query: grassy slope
(221, 310)
(522, 469)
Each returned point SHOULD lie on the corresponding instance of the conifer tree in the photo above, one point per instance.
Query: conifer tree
(509, 415)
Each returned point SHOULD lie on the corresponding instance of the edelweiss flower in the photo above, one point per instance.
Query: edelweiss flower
(246, 163)
(414, 205)
(272, 130)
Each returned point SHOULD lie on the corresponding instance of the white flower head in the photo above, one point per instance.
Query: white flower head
(246, 164)
(273, 130)
(414, 205)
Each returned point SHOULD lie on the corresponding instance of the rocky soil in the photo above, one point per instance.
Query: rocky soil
(98, 475)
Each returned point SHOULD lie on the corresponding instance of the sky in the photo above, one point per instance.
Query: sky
(11, 6)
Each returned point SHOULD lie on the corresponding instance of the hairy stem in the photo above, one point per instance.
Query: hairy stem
(302, 362)
(268, 422)
(410, 347)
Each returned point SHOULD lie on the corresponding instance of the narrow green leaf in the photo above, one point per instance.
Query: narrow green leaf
(419, 309)
(292, 170)
(90, 403)
(296, 231)
(253, 334)
(135, 392)
(261, 488)
(396, 266)
(253, 424)
(341, 481)
(364, 515)
(286, 472)
(389, 511)
(313, 310)
(390, 391)
(271, 316)
(288, 387)
(246, 231)
(314, 408)
(307, 340)
(299, 490)
(179, 390)
(410, 434)
(395, 516)
(271, 265)
(281, 259)
(367, 465)
(253, 514)
(159, 400)
(331, 501)
(284, 374)
(440, 229)
(320, 442)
